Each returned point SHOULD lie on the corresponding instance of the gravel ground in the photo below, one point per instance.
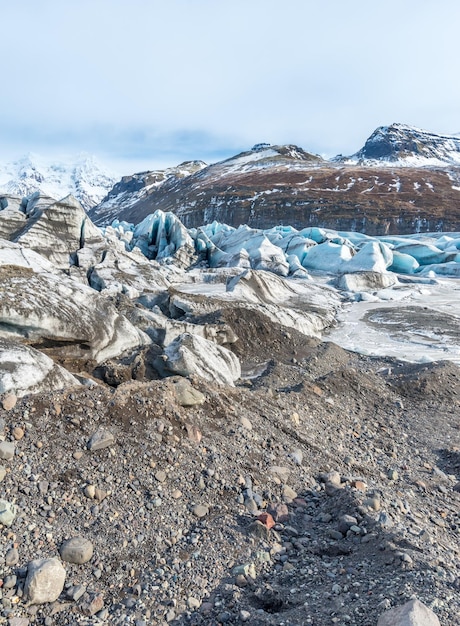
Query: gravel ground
(322, 489)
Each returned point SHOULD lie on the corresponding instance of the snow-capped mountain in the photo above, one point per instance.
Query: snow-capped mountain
(83, 177)
(135, 189)
(272, 185)
(409, 146)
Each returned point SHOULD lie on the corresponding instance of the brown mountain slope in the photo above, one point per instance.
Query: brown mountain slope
(374, 200)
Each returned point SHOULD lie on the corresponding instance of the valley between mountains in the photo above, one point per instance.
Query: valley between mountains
(230, 394)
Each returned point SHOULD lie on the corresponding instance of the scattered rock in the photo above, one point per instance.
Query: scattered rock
(45, 581)
(76, 550)
(8, 512)
(101, 439)
(7, 449)
(9, 402)
(413, 613)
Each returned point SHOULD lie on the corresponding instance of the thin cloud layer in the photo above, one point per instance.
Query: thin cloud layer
(158, 82)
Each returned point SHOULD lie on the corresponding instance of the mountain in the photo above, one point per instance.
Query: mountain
(403, 180)
(136, 189)
(406, 145)
(83, 177)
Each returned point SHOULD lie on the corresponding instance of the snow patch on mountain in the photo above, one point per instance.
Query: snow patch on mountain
(83, 177)
(401, 144)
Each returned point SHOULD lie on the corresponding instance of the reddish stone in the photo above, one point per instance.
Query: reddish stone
(267, 520)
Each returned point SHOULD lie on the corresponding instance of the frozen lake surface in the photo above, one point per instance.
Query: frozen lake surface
(421, 323)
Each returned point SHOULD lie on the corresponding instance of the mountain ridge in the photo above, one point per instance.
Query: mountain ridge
(399, 192)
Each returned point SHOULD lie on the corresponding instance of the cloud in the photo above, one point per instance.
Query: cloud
(178, 79)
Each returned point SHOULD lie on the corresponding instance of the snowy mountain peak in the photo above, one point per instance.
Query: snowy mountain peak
(82, 176)
(407, 145)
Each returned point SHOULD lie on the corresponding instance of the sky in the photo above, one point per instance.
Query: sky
(143, 84)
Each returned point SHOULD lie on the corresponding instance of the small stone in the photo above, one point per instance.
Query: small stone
(297, 456)
(18, 433)
(266, 519)
(10, 581)
(193, 603)
(11, 557)
(200, 510)
(176, 494)
(90, 491)
(93, 605)
(9, 402)
(245, 616)
(331, 478)
(193, 432)
(2, 472)
(259, 530)
(76, 550)
(7, 449)
(413, 612)
(45, 581)
(8, 512)
(345, 523)
(186, 395)
(359, 485)
(392, 474)
(101, 439)
(280, 471)
(334, 534)
(373, 503)
(160, 476)
(100, 494)
(289, 494)
(245, 423)
(76, 592)
(77, 455)
(251, 505)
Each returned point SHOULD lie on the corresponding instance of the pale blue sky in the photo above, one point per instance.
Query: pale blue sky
(148, 83)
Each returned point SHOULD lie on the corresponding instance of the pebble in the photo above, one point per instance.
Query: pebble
(193, 603)
(289, 494)
(176, 494)
(11, 557)
(8, 512)
(7, 449)
(2, 472)
(76, 592)
(245, 616)
(200, 510)
(245, 423)
(160, 476)
(9, 402)
(101, 439)
(392, 474)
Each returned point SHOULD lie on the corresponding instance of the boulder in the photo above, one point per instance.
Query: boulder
(76, 550)
(190, 354)
(413, 613)
(45, 580)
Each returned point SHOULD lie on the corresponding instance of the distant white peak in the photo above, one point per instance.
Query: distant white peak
(82, 176)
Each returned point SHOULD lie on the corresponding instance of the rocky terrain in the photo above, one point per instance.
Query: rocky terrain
(403, 180)
(179, 445)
